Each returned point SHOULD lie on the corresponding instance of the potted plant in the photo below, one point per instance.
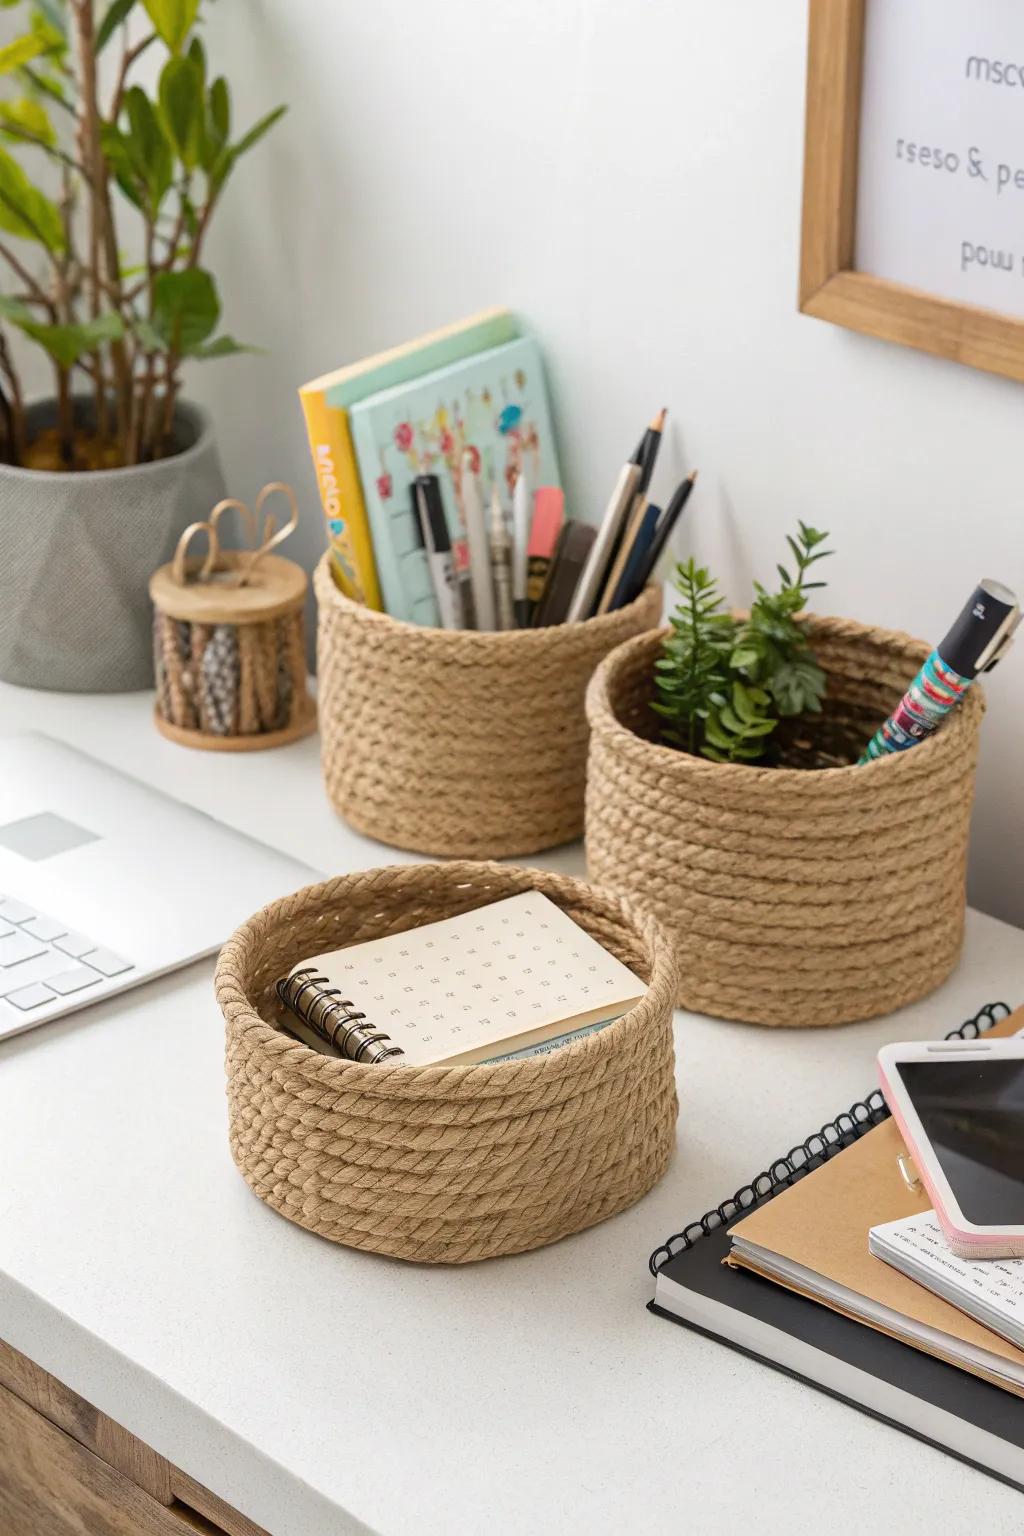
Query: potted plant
(726, 794)
(107, 192)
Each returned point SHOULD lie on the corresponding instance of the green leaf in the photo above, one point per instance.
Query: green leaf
(26, 118)
(116, 13)
(48, 27)
(256, 133)
(26, 211)
(173, 20)
(222, 346)
(65, 343)
(20, 51)
(185, 308)
(149, 149)
(218, 124)
(181, 107)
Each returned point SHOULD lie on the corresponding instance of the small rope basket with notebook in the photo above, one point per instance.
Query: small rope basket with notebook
(799, 896)
(459, 742)
(420, 1148)
(229, 637)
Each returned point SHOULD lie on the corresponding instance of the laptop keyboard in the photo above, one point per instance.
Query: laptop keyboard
(42, 959)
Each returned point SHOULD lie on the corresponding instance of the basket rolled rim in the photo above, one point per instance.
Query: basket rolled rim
(329, 594)
(959, 726)
(474, 1078)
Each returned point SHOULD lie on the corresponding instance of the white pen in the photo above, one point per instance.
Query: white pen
(479, 551)
(602, 550)
(520, 544)
(426, 497)
(501, 562)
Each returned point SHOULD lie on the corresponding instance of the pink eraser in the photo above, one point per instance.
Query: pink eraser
(548, 512)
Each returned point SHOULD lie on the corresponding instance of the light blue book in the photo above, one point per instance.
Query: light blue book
(494, 405)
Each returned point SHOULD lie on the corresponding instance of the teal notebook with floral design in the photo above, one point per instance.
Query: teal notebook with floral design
(495, 407)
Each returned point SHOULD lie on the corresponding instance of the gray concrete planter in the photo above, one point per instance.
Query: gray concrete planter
(76, 555)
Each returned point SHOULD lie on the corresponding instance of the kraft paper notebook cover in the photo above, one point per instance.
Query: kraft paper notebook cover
(492, 406)
(325, 402)
(822, 1224)
(906, 1387)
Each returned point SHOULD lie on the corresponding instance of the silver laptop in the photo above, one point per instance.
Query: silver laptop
(105, 883)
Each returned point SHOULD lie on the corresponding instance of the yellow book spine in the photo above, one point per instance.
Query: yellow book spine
(341, 493)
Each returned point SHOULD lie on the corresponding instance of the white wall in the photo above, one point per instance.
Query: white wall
(626, 173)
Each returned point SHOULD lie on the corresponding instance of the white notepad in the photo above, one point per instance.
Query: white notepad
(500, 980)
(989, 1290)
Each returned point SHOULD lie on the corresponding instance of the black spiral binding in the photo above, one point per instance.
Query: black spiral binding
(818, 1148)
(311, 998)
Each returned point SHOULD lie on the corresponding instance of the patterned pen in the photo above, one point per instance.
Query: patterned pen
(978, 639)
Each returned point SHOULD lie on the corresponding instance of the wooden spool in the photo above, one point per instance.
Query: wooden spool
(229, 639)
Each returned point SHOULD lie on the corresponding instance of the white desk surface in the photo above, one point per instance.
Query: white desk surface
(321, 1390)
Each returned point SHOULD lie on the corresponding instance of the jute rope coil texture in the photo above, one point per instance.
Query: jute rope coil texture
(445, 1164)
(792, 897)
(228, 679)
(459, 743)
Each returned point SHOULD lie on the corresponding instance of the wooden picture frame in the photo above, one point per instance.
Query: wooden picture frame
(830, 286)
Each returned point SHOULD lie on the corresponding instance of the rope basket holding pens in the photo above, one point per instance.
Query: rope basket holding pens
(794, 895)
(229, 637)
(462, 743)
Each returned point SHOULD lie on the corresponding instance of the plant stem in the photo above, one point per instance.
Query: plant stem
(38, 294)
(92, 156)
(127, 60)
(65, 417)
(13, 406)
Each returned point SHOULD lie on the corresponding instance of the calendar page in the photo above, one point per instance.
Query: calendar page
(500, 978)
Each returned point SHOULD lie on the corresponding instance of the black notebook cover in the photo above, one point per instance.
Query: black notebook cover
(693, 1258)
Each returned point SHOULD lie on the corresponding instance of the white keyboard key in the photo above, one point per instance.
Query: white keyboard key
(15, 911)
(18, 947)
(30, 997)
(27, 971)
(45, 928)
(75, 944)
(5, 929)
(75, 980)
(106, 962)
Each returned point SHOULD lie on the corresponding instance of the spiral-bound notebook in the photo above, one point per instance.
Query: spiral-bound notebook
(939, 1403)
(510, 978)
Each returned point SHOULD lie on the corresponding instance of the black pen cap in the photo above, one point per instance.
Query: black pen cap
(967, 648)
(426, 491)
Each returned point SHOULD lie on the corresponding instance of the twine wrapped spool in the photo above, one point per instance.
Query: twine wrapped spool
(462, 743)
(793, 897)
(445, 1165)
(229, 642)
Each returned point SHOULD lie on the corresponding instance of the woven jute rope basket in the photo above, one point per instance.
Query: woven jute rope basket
(792, 896)
(460, 743)
(445, 1164)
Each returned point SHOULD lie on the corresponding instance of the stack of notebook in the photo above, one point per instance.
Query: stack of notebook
(783, 1270)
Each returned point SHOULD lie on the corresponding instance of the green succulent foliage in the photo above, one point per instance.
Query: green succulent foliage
(737, 726)
(723, 685)
(694, 666)
(771, 649)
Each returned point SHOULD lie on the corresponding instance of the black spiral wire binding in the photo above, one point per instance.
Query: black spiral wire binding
(311, 998)
(833, 1137)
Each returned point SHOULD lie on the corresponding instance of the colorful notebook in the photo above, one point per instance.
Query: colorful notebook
(494, 406)
(325, 403)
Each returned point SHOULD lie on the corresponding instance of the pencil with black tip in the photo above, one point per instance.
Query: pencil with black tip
(648, 450)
